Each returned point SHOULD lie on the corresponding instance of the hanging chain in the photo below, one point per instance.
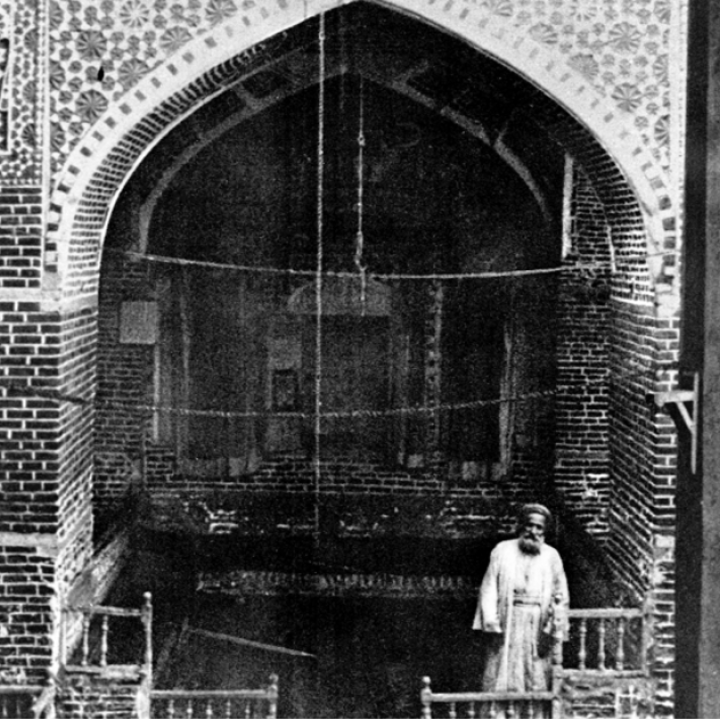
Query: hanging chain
(319, 272)
(359, 238)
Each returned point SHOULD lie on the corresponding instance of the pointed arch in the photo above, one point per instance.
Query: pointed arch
(96, 170)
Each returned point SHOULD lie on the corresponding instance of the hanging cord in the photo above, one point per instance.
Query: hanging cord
(319, 275)
(410, 410)
(359, 239)
(484, 275)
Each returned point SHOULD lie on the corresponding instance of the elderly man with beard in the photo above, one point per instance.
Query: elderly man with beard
(516, 604)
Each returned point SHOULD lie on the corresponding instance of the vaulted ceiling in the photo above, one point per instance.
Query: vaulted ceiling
(485, 132)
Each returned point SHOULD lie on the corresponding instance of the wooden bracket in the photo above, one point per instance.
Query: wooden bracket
(680, 398)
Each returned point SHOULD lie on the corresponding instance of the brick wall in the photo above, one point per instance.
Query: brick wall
(29, 508)
(615, 468)
(124, 383)
(20, 237)
(27, 576)
(642, 459)
(46, 472)
(582, 472)
(598, 697)
(105, 695)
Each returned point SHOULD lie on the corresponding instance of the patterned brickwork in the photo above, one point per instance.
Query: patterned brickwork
(109, 139)
(22, 106)
(121, 72)
(620, 49)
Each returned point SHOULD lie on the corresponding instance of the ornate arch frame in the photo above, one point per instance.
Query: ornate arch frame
(91, 179)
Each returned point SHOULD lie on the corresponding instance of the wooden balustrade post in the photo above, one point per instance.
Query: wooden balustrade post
(104, 640)
(426, 699)
(273, 697)
(620, 655)
(582, 650)
(601, 644)
(560, 625)
(146, 617)
(85, 637)
(558, 632)
(145, 690)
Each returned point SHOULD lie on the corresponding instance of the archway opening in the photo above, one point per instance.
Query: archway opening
(436, 359)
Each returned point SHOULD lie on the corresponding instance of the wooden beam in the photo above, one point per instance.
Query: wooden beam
(248, 643)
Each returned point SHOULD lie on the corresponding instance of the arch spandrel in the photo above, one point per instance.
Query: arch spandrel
(99, 165)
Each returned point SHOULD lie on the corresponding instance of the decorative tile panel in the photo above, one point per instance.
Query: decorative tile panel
(99, 50)
(21, 49)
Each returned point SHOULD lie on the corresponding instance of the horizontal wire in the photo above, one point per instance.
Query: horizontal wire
(167, 260)
(412, 410)
(46, 393)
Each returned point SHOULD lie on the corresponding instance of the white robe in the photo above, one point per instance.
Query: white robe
(519, 659)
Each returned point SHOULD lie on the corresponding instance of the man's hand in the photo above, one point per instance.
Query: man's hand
(493, 627)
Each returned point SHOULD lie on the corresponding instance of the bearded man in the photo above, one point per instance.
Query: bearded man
(515, 607)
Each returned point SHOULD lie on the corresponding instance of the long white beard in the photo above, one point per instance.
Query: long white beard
(530, 546)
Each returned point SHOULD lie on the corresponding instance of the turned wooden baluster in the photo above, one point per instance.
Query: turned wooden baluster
(601, 644)
(209, 709)
(104, 641)
(510, 712)
(85, 637)
(425, 698)
(171, 710)
(620, 661)
(582, 652)
(558, 631)
(452, 713)
(273, 696)
(228, 708)
(189, 710)
(493, 710)
(471, 710)
(146, 618)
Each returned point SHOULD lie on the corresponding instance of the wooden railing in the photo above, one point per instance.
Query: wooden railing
(216, 703)
(94, 658)
(27, 701)
(609, 640)
(489, 704)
